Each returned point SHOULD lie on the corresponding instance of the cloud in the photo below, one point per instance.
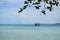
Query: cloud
(28, 16)
(12, 1)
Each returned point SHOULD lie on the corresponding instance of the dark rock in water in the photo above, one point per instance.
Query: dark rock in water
(37, 24)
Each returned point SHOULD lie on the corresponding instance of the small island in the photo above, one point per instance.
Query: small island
(37, 24)
(58, 23)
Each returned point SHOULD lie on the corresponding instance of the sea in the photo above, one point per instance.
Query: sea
(29, 32)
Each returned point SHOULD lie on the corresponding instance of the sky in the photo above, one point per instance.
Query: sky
(9, 13)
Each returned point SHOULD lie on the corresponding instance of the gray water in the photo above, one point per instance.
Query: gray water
(29, 33)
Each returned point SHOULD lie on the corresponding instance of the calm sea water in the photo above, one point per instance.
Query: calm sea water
(48, 32)
(28, 27)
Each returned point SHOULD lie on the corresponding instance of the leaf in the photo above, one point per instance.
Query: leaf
(25, 6)
(47, 7)
(53, 3)
(57, 3)
(47, 2)
(53, 0)
(30, 1)
(50, 8)
(50, 2)
(43, 12)
(20, 11)
(39, 1)
(37, 7)
(25, 2)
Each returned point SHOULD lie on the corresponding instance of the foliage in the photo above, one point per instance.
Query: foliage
(37, 4)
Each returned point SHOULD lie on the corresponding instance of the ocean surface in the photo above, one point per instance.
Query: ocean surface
(30, 32)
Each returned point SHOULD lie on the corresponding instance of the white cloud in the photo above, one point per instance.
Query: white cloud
(28, 16)
(12, 1)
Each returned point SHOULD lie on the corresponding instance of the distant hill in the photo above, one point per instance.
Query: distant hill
(58, 23)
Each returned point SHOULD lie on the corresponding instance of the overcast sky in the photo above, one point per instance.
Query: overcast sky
(9, 14)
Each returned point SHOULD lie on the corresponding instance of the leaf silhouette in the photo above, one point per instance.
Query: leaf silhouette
(43, 12)
(53, 3)
(30, 1)
(26, 2)
(50, 8)
(50, 2)
(57, 3)
(20, 10)
(37, 7)
(25, 6)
